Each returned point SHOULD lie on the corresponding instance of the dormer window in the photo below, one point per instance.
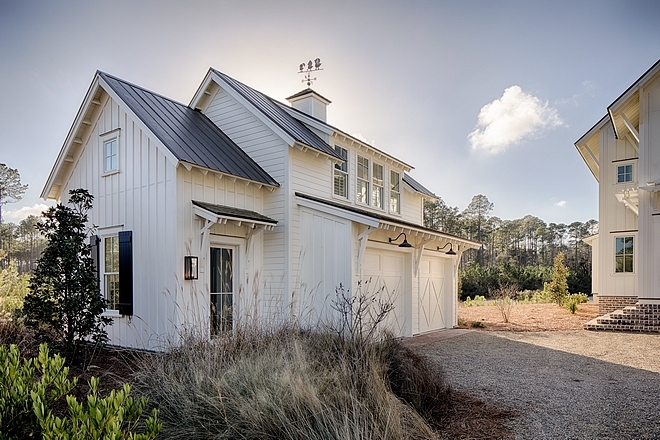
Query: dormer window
(341, 174)
(395, 192)
(377, 182)
(362, 187)
(110, 155)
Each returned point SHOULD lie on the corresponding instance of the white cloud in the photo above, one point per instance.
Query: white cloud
(22, 213)
(510, 119)
(561, 203)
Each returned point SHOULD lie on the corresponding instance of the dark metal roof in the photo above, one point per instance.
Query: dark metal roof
(417, 186)
(270, 108)
(377, 216)
(230, 211)
(187, 133)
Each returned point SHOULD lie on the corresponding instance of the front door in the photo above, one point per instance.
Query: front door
(222, 290)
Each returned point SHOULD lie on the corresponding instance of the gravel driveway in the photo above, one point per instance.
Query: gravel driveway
(566, 385)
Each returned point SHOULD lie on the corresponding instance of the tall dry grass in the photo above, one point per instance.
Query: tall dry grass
(292, 384)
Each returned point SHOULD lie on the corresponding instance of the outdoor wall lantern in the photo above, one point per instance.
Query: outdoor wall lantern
(450, 251)
(405, 243)
(190, 271)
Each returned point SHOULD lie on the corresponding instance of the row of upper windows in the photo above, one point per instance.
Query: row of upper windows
(369, 182)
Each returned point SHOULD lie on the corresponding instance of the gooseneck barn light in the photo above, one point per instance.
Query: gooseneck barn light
(450, 251)
(405, 243)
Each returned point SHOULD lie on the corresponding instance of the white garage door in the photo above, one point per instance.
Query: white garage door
(434, 295)
(385, 272)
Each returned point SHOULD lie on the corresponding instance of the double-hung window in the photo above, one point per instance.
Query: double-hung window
(624, 254)
(377, 184)
(111, 271)
(395, 192)
(362, 186)
(341, 174)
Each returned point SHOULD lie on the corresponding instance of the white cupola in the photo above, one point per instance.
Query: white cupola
(311, 103)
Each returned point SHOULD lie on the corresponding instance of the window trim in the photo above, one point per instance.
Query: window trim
(237, 247)
(634, 254)
(617, 165)
(104, 139)
(374, 164)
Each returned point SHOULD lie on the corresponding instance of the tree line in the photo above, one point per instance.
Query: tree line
(520, 250)
(22, 244)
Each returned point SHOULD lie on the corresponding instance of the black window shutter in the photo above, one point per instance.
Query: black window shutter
(126, 272)
(94, 241)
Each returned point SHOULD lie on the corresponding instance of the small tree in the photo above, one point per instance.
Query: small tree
(64, 293)
(558, 286)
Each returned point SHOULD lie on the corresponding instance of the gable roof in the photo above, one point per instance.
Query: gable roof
(417, 186)
(187, 133)
(270, 109)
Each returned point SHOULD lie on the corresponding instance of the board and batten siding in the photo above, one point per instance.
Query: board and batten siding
(613, 215)
(271, 153)
(140, 197)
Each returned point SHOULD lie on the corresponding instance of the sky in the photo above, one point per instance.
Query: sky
(481, 97)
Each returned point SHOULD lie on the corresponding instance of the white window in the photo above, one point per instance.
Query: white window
(341, 174)
(362, 186)
(377, 185)
(110, 155)
(624, 254)
(110, 277)
(624, 173)
(395, 192)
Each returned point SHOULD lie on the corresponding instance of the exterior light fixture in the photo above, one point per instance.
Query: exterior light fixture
(450, 251)
(190, 268)
(405, 243)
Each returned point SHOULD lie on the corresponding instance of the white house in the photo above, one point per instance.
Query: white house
(272, 208)
(623, 153)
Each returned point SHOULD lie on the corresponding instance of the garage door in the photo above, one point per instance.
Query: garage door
(434, 295)
(385, 272)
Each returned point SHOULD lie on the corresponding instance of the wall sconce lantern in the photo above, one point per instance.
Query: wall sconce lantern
(450, 251)
(405, 243)
(190, 268)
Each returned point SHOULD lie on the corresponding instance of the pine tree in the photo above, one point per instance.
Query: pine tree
(558, 286)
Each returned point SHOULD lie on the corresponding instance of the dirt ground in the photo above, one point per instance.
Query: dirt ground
(526, 317)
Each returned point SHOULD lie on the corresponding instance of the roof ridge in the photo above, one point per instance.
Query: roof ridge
(100, 72)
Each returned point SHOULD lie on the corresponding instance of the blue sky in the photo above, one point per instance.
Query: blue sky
(481, 97)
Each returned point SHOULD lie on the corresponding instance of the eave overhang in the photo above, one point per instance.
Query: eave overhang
(221, 214)
(589, 146)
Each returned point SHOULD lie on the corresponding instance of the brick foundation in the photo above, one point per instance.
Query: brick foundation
(608, 304)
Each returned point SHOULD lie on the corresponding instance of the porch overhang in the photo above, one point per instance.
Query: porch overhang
(220, 214)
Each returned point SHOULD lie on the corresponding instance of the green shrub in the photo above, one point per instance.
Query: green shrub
(13, 288)
(557, 288)
(29, 388)
(477, 324)
(572, 305)
(533, 297)
(477, 301)
(113, 417)
(573, 300)
(19, 380)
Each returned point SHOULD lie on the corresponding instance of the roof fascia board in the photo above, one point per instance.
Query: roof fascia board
(630, 91)
(189, 166)
(584, 158)
(350, 139)
(349, 215)
(120, 102)
(66, 146)
(305, 119)
(255, 111)
(593, 130)
(199, 93)
(412, 190)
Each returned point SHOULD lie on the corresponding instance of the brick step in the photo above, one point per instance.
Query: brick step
(640, 317)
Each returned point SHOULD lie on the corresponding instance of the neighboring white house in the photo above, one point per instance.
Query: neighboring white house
(623, 153)
(277, 208)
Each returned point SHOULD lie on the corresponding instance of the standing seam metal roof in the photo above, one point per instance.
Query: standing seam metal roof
(270, 108)
(187, 133)
(417, 186)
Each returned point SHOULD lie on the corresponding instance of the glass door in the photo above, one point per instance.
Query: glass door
(222, 290)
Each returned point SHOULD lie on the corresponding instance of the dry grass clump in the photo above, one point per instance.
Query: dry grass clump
(291, 384)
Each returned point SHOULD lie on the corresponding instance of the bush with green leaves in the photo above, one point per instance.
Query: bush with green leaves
(557, 288)
(533, 297)
(29, 388)
(19, 380)
(477, 301)
(116, 416)
(64, 293)
(574, 299)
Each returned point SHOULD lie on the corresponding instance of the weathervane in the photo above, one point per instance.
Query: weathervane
(308, 68)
